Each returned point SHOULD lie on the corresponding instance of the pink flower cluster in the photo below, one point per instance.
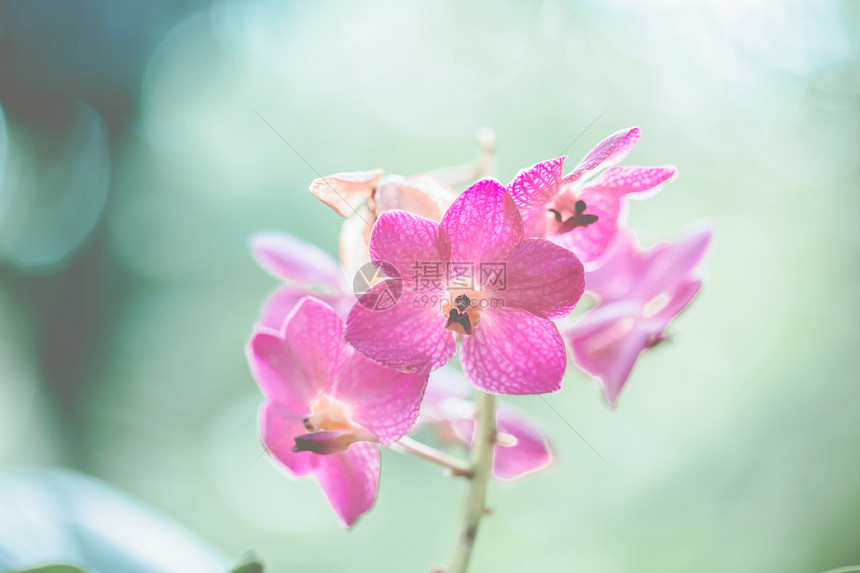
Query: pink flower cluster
(494, 271)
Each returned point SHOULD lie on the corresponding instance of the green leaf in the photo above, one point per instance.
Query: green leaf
(248, 563)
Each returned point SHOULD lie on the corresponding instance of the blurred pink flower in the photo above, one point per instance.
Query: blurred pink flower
(639, 293)
(361, 196)
(580, 211)
(521, 449)
(327, 407)
(474, 276)
(304, 269)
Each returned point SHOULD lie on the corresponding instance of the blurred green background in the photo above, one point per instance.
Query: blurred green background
(134, 168)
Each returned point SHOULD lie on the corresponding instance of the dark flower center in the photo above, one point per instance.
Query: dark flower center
(579, 219)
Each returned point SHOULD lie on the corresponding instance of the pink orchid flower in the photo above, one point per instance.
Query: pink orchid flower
(521, 448)
(639, 293)
(581, 211)
(305, 271)
(475, 278)
(361, 196)
(327, 406)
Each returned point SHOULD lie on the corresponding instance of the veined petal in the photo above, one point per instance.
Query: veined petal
(483, 224)
(538, 184)
(408, 336)
(406, 242)
(606, 153)
(314, 332)
(514, 352)
(636, 180)
(286, 257)
(278, 370)
(344, 192)
(589, 243)
(383, 401)
(543, 278)
(279, 426)
(350, 480)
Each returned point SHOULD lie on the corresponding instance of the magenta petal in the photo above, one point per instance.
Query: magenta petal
(409, 336)
(314, 332)
(382, 401)
(279, 426)
(589, 243)
(608, 152)
(513, 351)
(606, 343)
(678, 301)
(538, 184)
(279, 372)
(624, 180)
(279, 304)
(350, 480)
(287, 257)
(673, 263)
(484, 224)
(620, 271)
(532, 189)
(404, 240)
(530, 454)
(543, 278)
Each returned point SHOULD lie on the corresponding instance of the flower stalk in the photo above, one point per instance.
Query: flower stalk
(481, 465)
(456, 466)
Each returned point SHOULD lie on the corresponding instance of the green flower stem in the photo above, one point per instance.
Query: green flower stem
(481, 465)
(409, 446)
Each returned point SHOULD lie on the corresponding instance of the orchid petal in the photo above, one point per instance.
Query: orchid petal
(538, 184)
(606, 153)
(408, 336)
(279, 371)
(345, 192)
(620, 270)
(636, 180)
(483, 223)
(671, 263)
(279, 304)
(606, 344)
(350, 480)
(381, 400)
(422, 195)
(287, 257)
(314, 332)
(354, 241)
(279, 427)
(513, 351)
(531, 452)
(543, 278)
(402, 241)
